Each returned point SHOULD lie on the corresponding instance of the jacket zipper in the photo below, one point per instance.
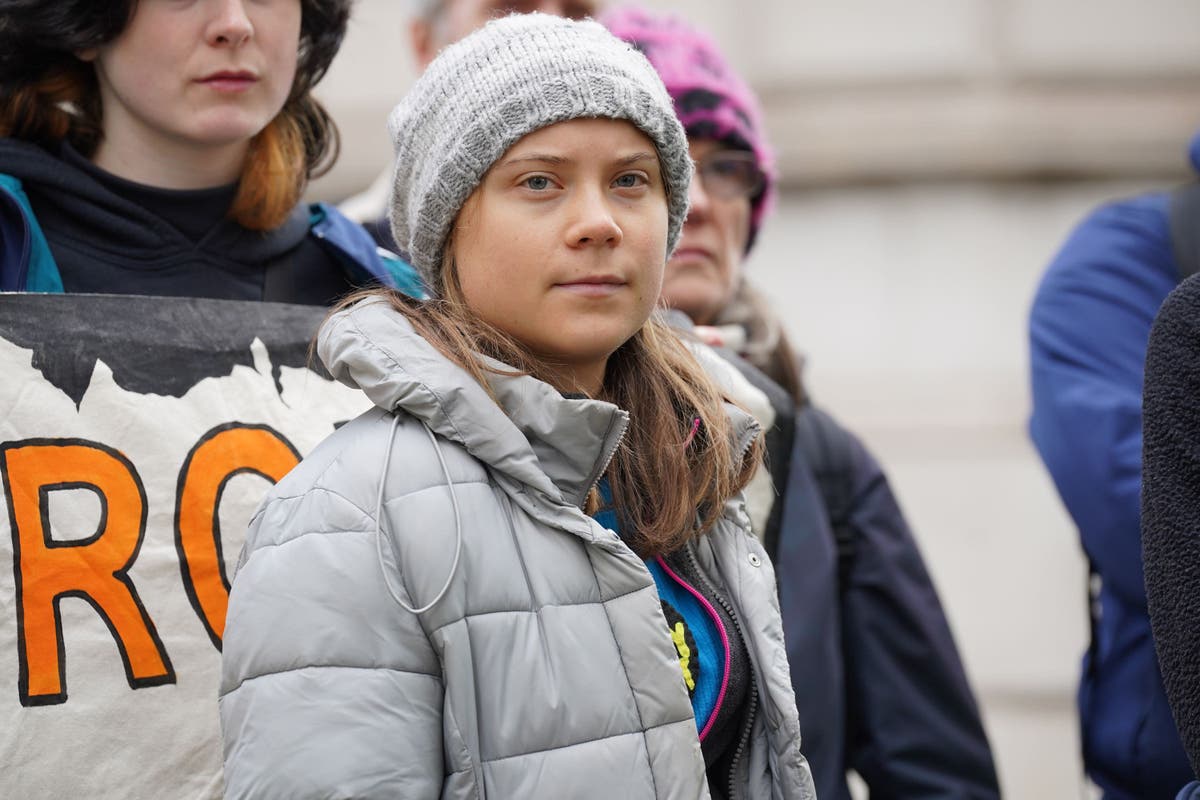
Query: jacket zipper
(735, 762)
(751, 434)
(752, 705)
(608, 457)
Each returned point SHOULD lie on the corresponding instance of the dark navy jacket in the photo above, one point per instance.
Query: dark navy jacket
(878, 681)
(1089, 327)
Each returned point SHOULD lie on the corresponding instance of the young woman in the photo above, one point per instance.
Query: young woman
(527, 572)
(879, 684)
(160, 147)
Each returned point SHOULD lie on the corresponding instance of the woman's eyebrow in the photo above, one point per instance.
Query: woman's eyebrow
(626, 161)
(553, 160)
(542, 158)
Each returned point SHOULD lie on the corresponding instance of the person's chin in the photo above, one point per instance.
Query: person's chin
(596, 342)
(231, 127)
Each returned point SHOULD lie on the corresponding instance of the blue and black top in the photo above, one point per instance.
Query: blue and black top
(712, 654)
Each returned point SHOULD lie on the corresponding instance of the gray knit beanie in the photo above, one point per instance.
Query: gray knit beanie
(514, 76)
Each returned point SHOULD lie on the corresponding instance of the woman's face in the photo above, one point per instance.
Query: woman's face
(703, 273)
(197, 73)
(563, 244)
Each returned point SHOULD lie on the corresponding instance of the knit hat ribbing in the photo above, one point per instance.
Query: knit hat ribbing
(712, 101)
(514, 76)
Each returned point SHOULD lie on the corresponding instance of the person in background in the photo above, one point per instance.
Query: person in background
(1088, 329)
(877, 677)
(437, 24)
(528, 571)
(161, 148)
(433, 25)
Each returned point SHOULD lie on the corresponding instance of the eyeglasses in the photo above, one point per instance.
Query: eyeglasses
(730, 174)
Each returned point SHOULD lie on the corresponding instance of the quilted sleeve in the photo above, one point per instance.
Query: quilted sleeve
(328, 687)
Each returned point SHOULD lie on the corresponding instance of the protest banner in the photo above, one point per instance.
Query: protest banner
(137, 437)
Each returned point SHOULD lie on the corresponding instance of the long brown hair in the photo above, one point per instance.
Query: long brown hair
(670, 478)
(48, 94)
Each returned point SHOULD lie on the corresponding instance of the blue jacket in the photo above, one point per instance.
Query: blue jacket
(27, 265)
(1089, 326)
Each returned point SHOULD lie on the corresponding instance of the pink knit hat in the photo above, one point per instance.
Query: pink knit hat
(711, 100)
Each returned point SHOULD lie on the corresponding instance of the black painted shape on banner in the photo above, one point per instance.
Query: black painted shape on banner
(154, 345)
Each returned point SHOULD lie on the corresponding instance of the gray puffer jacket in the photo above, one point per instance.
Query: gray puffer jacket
(543, 670)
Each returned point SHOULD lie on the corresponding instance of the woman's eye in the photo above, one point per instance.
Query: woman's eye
(629, 181)
(539, 183)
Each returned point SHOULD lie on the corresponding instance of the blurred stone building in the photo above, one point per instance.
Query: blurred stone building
(934, 154)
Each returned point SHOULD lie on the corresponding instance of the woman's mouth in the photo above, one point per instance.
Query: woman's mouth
(593, 286)
(230, 81)
(683, 254)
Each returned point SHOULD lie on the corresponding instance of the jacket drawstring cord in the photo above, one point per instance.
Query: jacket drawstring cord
(387, 460)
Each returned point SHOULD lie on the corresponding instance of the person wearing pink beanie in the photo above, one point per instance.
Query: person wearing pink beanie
(878, 681)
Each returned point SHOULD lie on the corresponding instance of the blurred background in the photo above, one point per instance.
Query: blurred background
(934, 154)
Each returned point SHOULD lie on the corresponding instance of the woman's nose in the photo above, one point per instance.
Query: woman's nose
(230, 24)
(699, 203)
(594, 222)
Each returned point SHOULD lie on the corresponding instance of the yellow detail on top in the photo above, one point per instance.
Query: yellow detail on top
(685, 655)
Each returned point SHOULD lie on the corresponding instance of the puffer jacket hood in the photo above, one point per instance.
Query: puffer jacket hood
(534, 433)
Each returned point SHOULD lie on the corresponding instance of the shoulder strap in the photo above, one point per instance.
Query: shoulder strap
(828, 449)
(364, 262)
(1184, 218)
(26, 263)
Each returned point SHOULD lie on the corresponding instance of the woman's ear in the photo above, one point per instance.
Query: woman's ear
(420, 38)
(88, 55)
